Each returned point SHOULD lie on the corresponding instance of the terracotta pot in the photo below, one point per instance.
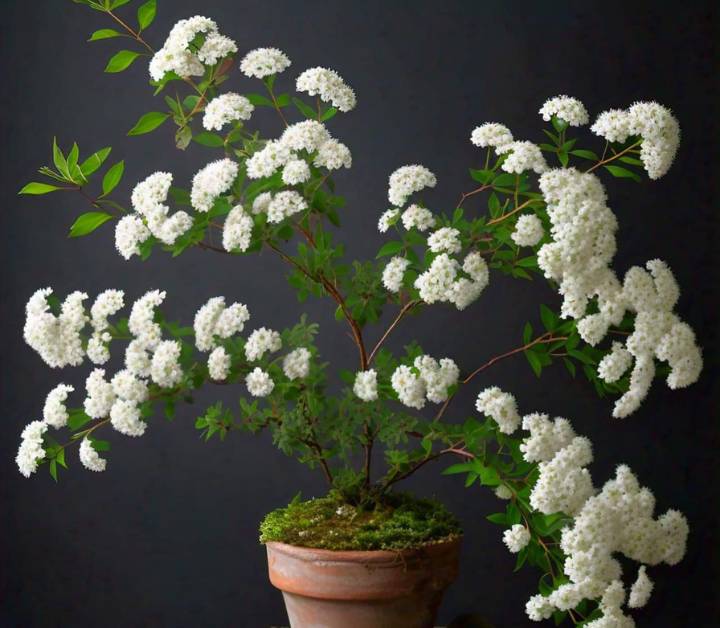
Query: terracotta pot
(329, 589)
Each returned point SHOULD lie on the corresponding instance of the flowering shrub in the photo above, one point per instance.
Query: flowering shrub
(547, 215)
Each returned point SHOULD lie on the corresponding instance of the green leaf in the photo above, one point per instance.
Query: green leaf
(527, 332)
(563, 157)
(585, 154)
(631, 160)
(579, 355)
(327, 114)
(259, 100)
(87, 223)
(570, 366)
(121, 61)
(461, 467)
(494, 205)
(308, 112)
(482, 176)
(559, 124)
(40, 188)
(52, 467)
(149, 122)
(390, 248)
(59, 160)
(534, 362)
(104, 33)
(112, 177)
(498, 517)
(118, 3)
(504, 180)
(213, 140)
(92, 163)
(146, 14)
(622, 173)
(548, 318)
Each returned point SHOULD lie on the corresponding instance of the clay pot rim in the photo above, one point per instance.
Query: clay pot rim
(312, 554)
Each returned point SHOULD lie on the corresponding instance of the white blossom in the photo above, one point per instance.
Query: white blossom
(267, 160)
(329, 86)
(491, 134)
(130, 233)
(503, 492)
(436, 283)
(55, 411)
(546, 437)
(501, 407)
(56, 339)
(226, 108)
(417, 217)
(219, 364)
(641, 589)
(212, 181)
(438, 377)
(125, 418)
(237, 230)
(165, 369)
(308, 135)
(126, 385)
(296, 364)
(476, 266)
(657, 127)
(137, 359)
(151, 192)
(528, 230)
(176, 54)
(569, 109)
(365, 386)
(100, 395)
(393, 273)
(216, 47)
(260, 342)
(523, 156)
(31, 450)
(263, 62)
(387, 219)
(142, 323)
(407, 180)
(261, 203)
(89, 457)
(516, 538)
(409, 387)
(445, 240)
(615, 364)
(333, 155)
(295, 171)
(285, 204)
(259, 383)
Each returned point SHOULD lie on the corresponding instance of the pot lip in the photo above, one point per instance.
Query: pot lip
(365, 556)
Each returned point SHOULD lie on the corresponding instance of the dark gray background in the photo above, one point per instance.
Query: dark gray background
(167, 536)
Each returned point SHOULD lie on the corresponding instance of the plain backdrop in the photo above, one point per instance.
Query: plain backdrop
(168, 535)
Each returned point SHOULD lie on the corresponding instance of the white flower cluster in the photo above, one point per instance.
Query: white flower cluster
(226, 108)
(219, 364)
(151, 217)
(296, 364)
(445, 240)
(407, 180)
(491, 134)
(55, 411)
(501, 407)
(569, 109)
(57, 339)
(212, 181)
(106, 304)
(522, 156)
(237, 230)
(417, 217)
(516, 538)
(214, 320)
(89, 456)
(285, 204)
(656, 126)
(31, 450)
(617, 519)
(365, 386)
(260, 342)
(427, 379)
(442, 282)
(259, 383)
(528, 230)
(393, 273)
(263, 62)
(388, 219)
(578, 259)
(177, 55)
(310, 136)
(329, 86)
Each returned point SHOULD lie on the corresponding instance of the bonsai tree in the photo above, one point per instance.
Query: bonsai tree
(534, 211)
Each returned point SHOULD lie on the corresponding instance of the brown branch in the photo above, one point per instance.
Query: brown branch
(405, 309)
(602, 162)
(482, 188)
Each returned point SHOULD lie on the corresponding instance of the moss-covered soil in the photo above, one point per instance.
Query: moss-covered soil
(399, 522)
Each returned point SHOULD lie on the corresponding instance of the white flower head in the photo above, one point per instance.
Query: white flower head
(407, 180)
(89, 456)
(237, 230)
(31, 450)
(142, 323)
(388, 219)
(55, 411)
(445, 240)
(130, 233)
(393, 273)
(418, 217)
(365, 386)
(284, 204)
(295, 171)
(226, 108)
(296, 364)
(523, 156)
(125, 418)
(219, 364)
(528, 230)
(516, 538)
(501, 407)
(259, 383)
(491, 134)
(260, 342)
(263, 62)
(165, 368)
(571, 110)
(329, 86)
(210, 182)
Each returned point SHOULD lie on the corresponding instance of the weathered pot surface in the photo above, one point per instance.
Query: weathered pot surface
(353, 589)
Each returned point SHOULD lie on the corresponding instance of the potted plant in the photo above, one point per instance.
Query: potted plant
(364, 554)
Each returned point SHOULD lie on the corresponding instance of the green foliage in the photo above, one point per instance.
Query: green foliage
(397, 522)
(87, 223)
(121, 61)
(146, 14)
(148, 122)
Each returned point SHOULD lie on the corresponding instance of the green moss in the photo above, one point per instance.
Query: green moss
(398, 522)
